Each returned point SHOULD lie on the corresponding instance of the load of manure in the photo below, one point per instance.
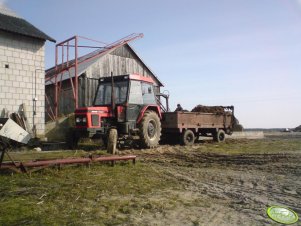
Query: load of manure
(209, 109)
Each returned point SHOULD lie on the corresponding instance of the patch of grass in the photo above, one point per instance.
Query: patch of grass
(80, 195)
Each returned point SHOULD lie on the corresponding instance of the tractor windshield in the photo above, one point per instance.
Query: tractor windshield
(104, 93)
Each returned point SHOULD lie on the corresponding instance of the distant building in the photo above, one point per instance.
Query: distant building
(120, 60)
(22, 68)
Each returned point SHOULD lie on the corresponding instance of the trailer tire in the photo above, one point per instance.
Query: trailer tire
(219, 136)
(188, 137)
(112, 141)
(150, 130)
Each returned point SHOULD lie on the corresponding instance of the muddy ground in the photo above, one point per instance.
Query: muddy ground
(225, 189)
(209, 183)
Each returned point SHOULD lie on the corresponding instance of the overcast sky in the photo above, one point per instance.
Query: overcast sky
(245, 53)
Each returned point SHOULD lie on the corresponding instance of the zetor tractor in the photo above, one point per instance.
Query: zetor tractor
(125, 108)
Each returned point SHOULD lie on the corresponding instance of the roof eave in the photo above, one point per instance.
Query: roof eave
(160, 83)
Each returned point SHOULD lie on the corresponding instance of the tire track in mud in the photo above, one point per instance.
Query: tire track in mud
(248, 201)
(247, 183)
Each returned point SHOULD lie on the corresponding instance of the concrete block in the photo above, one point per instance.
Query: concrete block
(12, 102)
(4, 102)
(29, 97)
(16, 84)
(18, 60)
(12, 90)
(22, 73)
(8, 53)
(10, 59)
(16, 72)
(29, 57)
(16, 54)
(8, 83)
(24, 61)
(3, 58)
(5, 88)
(25, 67)
(31, 63)
(19, 66)
(26, 91)
(29, 85)
(16, 96)
(23, 85)
(23, 55)
(19, 78)
(19, 91)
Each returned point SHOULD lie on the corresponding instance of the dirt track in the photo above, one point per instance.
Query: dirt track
(219, 189)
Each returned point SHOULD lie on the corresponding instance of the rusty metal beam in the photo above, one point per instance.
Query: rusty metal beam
(48, 163)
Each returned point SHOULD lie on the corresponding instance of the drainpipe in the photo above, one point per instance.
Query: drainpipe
(35, 99)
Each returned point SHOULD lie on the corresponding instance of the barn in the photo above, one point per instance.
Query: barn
(22, 68)
(118, 58)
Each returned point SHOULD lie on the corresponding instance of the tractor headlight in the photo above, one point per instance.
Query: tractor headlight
(81, 120)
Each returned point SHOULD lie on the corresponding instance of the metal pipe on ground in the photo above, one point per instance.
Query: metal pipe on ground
(59, 162)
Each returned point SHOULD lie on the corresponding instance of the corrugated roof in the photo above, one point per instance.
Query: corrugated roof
(83, 63)
(9, 21)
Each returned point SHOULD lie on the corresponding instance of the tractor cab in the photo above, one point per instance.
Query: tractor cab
(131, 93)
(122, 103)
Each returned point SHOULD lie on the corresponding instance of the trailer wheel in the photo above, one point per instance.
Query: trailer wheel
(112, 141)
(219, 136)
(188, 137)
(150, 130)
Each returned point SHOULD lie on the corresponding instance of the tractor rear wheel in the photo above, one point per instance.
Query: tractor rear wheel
(150, 130)
(112, 141)
(188, 137)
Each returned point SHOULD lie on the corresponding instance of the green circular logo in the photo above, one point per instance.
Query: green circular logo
(282, 215)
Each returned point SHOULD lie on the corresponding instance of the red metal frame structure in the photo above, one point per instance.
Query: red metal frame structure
(63, 52)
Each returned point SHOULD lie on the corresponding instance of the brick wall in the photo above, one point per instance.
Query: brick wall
(21, 60)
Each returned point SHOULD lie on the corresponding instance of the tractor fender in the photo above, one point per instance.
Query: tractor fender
(154, 108)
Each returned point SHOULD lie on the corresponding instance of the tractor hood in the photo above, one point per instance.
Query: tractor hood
(97, 110)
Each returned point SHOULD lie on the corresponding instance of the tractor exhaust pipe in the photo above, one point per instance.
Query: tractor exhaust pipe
(113, 106)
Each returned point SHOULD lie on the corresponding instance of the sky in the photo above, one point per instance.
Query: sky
(245, 53)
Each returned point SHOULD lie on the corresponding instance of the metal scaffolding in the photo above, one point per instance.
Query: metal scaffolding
(64, 63)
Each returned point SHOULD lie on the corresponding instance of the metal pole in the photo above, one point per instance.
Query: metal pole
(75, 71)
(35, 99)
(112, 95)
(55, 86)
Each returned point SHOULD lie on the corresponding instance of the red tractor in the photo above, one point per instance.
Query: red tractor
(125, 109)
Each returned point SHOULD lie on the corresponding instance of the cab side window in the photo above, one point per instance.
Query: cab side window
(148, 94)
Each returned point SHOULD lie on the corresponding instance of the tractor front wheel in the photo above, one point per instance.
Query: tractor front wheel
(150, 130)
(72, 139)
(112, 141)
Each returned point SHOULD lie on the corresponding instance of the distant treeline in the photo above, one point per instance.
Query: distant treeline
(266, 129)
